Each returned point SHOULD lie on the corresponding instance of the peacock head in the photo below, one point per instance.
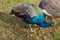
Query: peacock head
(51, 23)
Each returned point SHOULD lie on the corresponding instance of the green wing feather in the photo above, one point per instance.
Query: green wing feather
(37, 10)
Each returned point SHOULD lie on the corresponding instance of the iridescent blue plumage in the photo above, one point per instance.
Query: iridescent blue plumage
(40, 20)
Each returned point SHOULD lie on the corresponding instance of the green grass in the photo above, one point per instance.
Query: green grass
(57, 36)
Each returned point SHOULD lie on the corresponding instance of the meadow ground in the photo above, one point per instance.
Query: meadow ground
(12, 28)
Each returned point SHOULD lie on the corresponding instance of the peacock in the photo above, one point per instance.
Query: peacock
(32, 14)
(51, 6)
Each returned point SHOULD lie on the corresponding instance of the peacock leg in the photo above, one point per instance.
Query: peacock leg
(30, 27)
